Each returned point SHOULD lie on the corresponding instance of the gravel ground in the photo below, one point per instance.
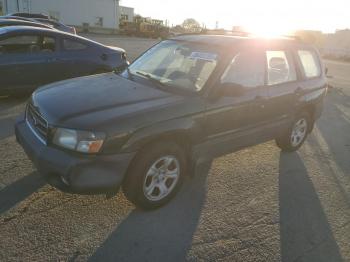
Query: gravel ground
(254, 205)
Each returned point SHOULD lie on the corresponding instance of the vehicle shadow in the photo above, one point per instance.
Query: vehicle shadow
(335, 128)
(10, 109)
(305, 232)
(161, 235)
(19, 190)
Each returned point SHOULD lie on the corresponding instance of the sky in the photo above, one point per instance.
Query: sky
(259, 16)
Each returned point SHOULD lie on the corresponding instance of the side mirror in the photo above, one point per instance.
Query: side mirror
(231, 89)
(326, 73)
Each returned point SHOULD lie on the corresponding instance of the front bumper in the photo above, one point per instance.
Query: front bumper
(72, 172)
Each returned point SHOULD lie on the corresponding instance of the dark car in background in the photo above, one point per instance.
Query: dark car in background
(30, 57)
(40, 18)
(57, 25)
(16, 22)
(29, 15)
(187, 98)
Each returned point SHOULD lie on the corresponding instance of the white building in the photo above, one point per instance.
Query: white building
(337, 45)
(103, 14)
(126, 13)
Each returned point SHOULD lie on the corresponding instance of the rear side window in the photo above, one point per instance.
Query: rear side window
(310, 63)
(69, 44)
(245, 69)
(280, 68)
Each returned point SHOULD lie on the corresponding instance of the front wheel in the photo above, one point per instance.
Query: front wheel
(155, 175)
(295, 136)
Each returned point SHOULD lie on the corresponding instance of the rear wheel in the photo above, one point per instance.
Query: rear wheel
(155, 175)
(295, 136)
(100, 71)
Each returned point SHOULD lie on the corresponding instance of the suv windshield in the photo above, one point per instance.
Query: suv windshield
(177, 64)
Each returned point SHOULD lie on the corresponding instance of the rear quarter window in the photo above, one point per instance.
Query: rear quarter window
(72, 45)
(310, 63)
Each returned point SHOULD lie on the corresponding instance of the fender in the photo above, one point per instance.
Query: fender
(313, 101)
(188, 129)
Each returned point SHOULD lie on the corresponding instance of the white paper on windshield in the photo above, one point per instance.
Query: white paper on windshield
(211, 57)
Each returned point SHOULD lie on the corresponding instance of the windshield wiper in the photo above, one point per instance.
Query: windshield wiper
(151, 78)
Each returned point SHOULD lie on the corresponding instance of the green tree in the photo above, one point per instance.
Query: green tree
(191, 25)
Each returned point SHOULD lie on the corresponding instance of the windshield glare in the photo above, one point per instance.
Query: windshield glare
(178, 64)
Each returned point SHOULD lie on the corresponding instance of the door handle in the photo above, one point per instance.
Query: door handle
(52, 60)
(261, 101)
(259, 98)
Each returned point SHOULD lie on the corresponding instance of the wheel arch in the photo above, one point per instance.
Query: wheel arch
(179, 137)
(183, 132)
(310, 109)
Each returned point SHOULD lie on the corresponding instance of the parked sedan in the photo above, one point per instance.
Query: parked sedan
(16, 22)
(30, 57)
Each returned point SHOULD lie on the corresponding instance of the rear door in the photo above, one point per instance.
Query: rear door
(283, 87)
(77, 58)
(311, 72)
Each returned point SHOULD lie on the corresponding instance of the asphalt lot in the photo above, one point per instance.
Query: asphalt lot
(254, 205)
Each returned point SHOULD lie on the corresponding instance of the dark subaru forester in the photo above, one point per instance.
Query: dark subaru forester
(185, 98)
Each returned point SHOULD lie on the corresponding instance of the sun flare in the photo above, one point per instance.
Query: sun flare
(268, 31)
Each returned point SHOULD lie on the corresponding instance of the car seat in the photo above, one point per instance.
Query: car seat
(34, 48)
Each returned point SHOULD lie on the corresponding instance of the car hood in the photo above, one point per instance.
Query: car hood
(93, 101)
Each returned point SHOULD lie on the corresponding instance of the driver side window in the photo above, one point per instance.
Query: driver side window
(246, 69)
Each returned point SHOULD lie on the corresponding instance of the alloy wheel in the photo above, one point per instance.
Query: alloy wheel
(299, 132)
(161, 178)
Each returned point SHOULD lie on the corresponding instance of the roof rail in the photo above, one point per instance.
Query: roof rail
(294, 37)
(218, 32)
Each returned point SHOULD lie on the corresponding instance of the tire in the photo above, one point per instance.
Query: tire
(296, 134)
(99, 71)
(152, 169)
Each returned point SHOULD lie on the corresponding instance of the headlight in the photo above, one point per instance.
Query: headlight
(81, 141)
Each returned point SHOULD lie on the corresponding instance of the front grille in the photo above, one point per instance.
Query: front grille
(37, 122)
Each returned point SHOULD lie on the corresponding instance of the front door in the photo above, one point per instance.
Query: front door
(233, 121)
